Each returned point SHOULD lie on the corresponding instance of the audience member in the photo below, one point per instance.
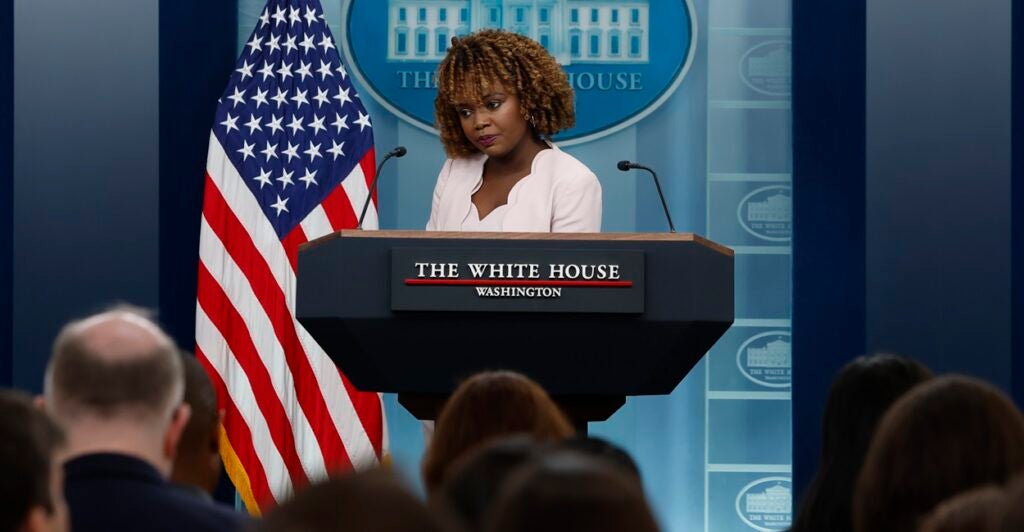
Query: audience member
(861, 393)
(603, 450)
(115, 384)
(945, 436)
(474, 480)
(31, 481)
(373, 500)
(977, 510)
(197, 464)
(568, 490)
(1011, 516)
(484, 407)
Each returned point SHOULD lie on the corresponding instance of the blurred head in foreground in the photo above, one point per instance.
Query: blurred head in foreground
(860, 395)
(373, 500)
(31, 478)
(944, 437)
(486, 406)
(567, 490)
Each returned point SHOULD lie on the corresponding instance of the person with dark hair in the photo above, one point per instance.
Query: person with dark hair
(487, 406)
(373, 500)
(197, 464)
(115, 384)
(500, 98)
(568, 490)
(474, 480)
(31, 481)
(977, 510)
(860, 395)
(1011, 515)
(603, 450)
(945, 436)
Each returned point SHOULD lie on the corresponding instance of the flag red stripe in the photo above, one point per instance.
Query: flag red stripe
(339, 209)
(240, 436)
(368, 164)
(232, 327)
(291, 243)
(239, 245)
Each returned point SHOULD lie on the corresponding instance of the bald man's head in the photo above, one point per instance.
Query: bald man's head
(117, 364)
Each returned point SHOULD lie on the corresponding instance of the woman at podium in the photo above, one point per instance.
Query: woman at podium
(500, 98)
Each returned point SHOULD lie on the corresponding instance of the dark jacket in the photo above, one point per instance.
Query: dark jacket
(116, 492)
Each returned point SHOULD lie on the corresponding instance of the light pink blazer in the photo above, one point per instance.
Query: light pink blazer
(560, 195)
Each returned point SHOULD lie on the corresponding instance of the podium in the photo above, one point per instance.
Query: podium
(592, 317)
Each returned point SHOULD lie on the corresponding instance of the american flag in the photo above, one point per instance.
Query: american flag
(290, 158)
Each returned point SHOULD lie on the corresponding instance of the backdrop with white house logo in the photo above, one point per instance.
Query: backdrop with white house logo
(698, 90)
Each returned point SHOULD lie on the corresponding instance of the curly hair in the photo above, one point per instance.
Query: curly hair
(520, 64)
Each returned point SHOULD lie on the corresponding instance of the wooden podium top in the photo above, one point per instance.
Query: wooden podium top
(617, 237)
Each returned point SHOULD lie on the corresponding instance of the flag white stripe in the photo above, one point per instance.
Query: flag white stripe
(357, 445)
(259, 327)
(356, 190)
(316, 224)
(385, 438)
(243, 204)
(223, 361)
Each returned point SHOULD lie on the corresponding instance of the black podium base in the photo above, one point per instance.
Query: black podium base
(580, 409)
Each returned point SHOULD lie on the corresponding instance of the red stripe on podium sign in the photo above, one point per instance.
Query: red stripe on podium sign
(516, 282)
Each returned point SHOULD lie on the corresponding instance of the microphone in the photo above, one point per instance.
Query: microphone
(626, 166)
(399, 151)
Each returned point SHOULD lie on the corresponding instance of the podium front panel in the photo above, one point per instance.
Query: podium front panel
(344, 299)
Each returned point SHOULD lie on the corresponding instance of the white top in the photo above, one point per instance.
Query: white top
(491, 223)
(559, 195)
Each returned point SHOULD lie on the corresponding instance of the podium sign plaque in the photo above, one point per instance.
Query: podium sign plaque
(517, 280)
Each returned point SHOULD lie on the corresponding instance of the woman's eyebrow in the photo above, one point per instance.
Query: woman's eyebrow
(482, 99)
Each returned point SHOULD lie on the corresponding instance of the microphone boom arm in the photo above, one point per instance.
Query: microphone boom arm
(626, 165)
(397, 152)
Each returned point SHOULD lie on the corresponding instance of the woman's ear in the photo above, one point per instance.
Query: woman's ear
(528, 115)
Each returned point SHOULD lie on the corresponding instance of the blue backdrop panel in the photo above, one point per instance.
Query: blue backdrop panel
(7, 194)
(748, 136)
(85, 167)
(1017, 229)
(193, 73)
(745, 430)
(938, 184)
(904, 197)
(749, 500)
(749, 208)
(751, 357)
(762, 283)
(828, 207)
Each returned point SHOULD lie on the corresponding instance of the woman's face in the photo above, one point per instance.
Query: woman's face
(494, 125)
